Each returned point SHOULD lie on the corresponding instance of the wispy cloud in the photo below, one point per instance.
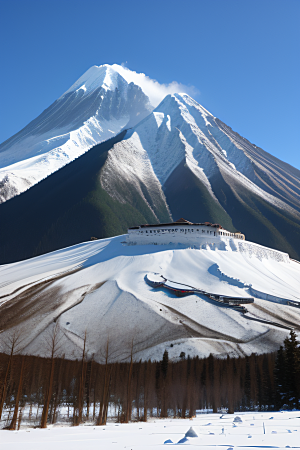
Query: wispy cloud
(155, 90)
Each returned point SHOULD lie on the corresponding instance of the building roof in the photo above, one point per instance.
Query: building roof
(181, 222)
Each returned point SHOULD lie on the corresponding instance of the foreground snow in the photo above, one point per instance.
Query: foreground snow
(219, 432)
(100, 287)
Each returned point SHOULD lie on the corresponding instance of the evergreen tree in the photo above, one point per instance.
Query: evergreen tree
(292, 361)
(287, 373)
(280, 379)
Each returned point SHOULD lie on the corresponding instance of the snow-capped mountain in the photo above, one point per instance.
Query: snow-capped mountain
(207, 172)
(97, 107)
(99, 288)
(180, 132)
(121, 164)
(176, 161)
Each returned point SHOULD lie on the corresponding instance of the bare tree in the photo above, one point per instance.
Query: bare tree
(78, 419)
(13, 423)
(89, 372)
(129, 401)
(54, 347)
(145, 367)
(12, 346)
(105, 393)
(58, 390)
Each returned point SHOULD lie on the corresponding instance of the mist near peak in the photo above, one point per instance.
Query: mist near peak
(152, 88)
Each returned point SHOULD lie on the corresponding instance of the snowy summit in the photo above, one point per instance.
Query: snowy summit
(98, 106)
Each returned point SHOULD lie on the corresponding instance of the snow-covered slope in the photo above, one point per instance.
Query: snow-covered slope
(99, 287)
(208, 172)
(97, 107)
(180, 130)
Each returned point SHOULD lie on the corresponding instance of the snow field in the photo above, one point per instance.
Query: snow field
(279, 430)
(100, 287)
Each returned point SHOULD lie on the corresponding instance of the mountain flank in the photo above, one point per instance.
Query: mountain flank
(70, 206)
(97, 107)
(176, 160)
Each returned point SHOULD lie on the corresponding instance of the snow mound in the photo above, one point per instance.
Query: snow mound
(237, 419)
(191, 433)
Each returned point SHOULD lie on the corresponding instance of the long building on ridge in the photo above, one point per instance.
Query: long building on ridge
(180, 232)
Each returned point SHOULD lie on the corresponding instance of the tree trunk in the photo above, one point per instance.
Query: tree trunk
(102, 410)
(48, 396)
(145, 391)
(13, 423)
(81, 384)
(5, 382)
(128, 406)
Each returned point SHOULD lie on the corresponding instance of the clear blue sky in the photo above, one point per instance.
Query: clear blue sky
(243, 56)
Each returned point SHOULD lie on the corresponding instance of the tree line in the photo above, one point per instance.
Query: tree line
(40, 390)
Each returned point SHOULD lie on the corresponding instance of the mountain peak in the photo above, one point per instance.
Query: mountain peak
(98, 106)
(98, 76)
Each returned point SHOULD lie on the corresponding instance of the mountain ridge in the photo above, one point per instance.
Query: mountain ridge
(180, 133)
(175, 161)
(69, 207)
(72, 125)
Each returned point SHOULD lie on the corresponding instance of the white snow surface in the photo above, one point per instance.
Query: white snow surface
(54, 153)
(254, 430)
(100, 287)
(105, 76)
